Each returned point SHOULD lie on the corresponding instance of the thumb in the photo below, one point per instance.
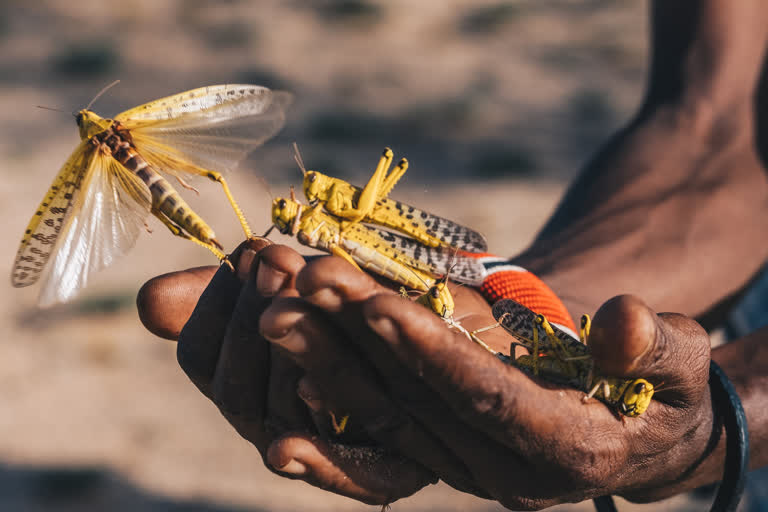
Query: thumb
(672, 351)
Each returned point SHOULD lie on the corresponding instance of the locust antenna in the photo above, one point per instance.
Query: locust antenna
(426, 285)
(51, 108)
(298, 159)
(105, 89)
(452, 262)
(265, 186)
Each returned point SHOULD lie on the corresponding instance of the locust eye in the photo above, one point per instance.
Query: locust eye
(583, 322)
(639, 387)
(312, 177)
(434, 292)
(282, 204)
(79, 118)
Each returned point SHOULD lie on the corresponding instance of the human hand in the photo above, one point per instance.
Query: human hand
(485, 427)
(214, 314)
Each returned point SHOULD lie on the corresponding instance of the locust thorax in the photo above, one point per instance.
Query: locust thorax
(91, 123)
(316, 186)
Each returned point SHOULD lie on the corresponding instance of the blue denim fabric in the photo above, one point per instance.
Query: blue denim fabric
(750, 314)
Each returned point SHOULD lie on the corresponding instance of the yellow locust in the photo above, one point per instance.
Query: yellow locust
(98, 203)
(371, 205)
(561, 358)
(400, 259)
(439, 299)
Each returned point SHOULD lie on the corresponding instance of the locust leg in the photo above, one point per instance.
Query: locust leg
(602, 383)
(473, 335)
(217, 177)
(564, 355)
(476, 339)
(176, 230)
(340, 425)
(392, 179)
(370, 193)
(338, 251)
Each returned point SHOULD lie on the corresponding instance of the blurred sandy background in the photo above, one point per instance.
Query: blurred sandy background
(495, 104)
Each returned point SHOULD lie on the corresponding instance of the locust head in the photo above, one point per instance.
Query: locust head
(91, 123)
(438, 299)
(636, 398)
(285, 215)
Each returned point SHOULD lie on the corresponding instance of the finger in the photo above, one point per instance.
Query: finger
(349, 385)
(201, 337)
(245, 370)
(629, 339)
(278, 268)
(431, 434)
(368, 474)
(166, 302)
(332, 283)
(481, 390)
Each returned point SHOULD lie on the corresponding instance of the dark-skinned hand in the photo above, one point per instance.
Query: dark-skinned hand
(214, 313)
(485, 427)
(344, 343)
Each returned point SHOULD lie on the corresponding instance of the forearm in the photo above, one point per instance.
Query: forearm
(673, 207)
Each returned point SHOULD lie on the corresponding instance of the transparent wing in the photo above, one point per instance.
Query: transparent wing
(102, 224)
(46, 224)
(207, 129)
(519, 321)
(436, 260)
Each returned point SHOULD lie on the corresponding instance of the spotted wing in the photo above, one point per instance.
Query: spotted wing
(405, 218)
(519, 321)
(438, 261)
(43, 230)
(103, 222)
(207, 129)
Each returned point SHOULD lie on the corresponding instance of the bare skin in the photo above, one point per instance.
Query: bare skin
(672, 209)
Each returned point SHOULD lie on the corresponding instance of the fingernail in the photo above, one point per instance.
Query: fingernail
(269, 281)
(289, 337)
(307, 391)
(293, 467)
(244, 264)
(385, 328)
(327, 299)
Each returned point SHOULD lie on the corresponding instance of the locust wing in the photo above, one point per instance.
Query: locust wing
(43, 230)
(92, 213)
(103, 223)
(433, 260)
(405, 218)
(519, 321)
(206, 129)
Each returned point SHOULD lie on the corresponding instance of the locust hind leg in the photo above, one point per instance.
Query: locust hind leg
(217, 177)
(213, 246)
(338, 251)
(339, 426)
(370, 193)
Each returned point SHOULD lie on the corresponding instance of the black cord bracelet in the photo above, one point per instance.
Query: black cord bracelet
(727, 403)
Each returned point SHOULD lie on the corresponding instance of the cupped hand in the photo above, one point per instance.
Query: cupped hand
(214, 313)
(415, 386)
